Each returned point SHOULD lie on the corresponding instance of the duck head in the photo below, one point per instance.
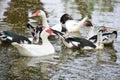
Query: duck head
(65, 17)
(99, 42)
(39, 13)
(2, 36)
(105, 29)
(87, 23)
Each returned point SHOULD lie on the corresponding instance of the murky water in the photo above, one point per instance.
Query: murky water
(65, 64)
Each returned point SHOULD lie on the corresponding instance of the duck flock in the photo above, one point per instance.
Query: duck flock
(29, 47)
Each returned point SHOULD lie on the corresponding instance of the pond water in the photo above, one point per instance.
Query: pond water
(65, 64)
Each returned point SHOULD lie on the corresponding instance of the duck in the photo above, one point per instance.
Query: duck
(79, 42)
(108, 36)
(66, 22)
(32, 50)
(9, 37)
(74, 25)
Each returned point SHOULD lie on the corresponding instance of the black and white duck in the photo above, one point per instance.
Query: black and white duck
(108, 36)
(81, 43)
(7, 37)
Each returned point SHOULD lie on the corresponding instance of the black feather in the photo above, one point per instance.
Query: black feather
(94, 38)
(65, 17)
(14, 38)
(83, 42)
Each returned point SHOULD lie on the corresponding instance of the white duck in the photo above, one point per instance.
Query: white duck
(66, 22)
(37, 50)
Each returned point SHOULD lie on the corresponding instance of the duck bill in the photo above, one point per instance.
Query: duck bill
(36, 14)
(53, 34)
(106, 29)
(88, 24)
(57, 32)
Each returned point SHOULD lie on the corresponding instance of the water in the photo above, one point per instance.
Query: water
(65, 64)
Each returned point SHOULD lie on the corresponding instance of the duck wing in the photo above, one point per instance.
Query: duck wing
(16, 38)
(93, 39)
(82, 42)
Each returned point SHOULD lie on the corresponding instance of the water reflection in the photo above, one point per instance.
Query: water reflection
(26, 68)
(107, 11)
(106, 6)
(17, 13)
(3, 8)
(107, 55)
(19, 70)
(83, 7)
(87, 66)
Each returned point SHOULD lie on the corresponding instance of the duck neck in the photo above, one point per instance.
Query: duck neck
(91, 32)
(81, 23)
(44, 21)
(45, 40)
(99, 42)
